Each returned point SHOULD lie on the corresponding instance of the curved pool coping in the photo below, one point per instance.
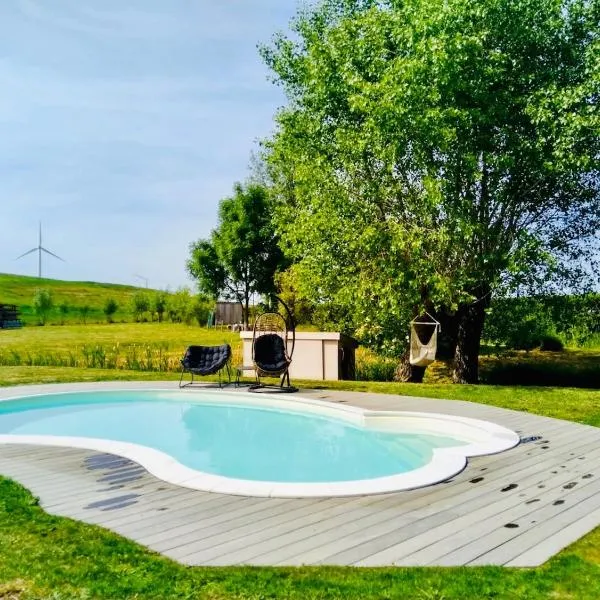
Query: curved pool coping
(481, 437)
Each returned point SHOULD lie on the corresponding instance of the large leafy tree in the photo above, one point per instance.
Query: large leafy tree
(434, 152)
(242, 256)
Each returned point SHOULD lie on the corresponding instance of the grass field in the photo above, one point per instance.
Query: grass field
(19, 290)
(50, 558)
(158, 346)
(141, 346)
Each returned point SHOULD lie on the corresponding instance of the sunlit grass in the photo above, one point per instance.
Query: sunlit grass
(50, 558)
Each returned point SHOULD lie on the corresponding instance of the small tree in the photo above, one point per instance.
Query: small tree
(159, 305)
(42, 305)
(84, 312)
(140, 304)
(180, 306)
(64, 311)
(242, 255)
(110, 308)
(201, 308)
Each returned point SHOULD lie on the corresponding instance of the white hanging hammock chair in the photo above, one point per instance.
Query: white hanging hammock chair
(422, 354)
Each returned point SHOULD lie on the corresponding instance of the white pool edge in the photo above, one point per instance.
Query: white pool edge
(482, 437)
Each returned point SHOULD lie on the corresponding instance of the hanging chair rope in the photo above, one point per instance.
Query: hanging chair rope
(423, 354)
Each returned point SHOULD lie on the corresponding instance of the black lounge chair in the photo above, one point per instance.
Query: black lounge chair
(271, 352)
(205, 360)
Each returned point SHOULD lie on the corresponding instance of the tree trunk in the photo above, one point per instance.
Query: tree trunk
(408, 373)
(470, 319)
(246, 311)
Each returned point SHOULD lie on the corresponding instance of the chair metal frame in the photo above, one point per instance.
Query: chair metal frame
(273, 323)
(218, 367)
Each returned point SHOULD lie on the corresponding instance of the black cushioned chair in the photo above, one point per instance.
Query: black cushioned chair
(271, 352)
(205, 360)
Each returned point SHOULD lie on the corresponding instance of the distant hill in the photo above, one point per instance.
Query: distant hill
(19, 290)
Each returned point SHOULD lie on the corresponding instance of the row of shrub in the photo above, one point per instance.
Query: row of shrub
(545, 322)
(144, 306)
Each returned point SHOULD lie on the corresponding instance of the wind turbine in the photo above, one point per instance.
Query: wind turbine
(144, 279)
(40, 249)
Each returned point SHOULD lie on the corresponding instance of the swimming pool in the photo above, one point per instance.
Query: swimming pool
(262, 446)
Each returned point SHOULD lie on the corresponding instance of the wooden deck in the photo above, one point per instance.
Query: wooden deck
(517, 508)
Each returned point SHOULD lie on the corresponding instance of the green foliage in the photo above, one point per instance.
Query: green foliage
(536, 370)
(19, 290)
(159, 304)
(122, 346)
(242, 254)
(43, 304)
(63, 309)
(551, 343)
(371, 367)
(110, 308)
(201, 308)
(140, 306)
(84, 311)
(180, 306)
(434, 152)
(522, 323)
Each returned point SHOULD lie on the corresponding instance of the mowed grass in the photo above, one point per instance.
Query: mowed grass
(51, 558)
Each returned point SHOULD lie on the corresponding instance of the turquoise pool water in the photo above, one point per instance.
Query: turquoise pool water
(221, 437)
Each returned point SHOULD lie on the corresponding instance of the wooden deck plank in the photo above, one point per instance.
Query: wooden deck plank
(479, 517)
(470, 498)
(203, 528)
(263, 532)
(551, 544)
(579, 502)
(475, 511)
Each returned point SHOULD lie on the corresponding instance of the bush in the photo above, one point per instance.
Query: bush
(159, 305)
(372, 367)
(42, 305)
(551, 343)
(201, 308)
(140, 306)
(540, 373)
(180, 306)
(63, 309)
(521, 323)
(110, 308)
(84, 312)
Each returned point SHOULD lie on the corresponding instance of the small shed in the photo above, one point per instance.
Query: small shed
(228, 313)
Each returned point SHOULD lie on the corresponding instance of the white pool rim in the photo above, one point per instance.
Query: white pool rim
(480, 438)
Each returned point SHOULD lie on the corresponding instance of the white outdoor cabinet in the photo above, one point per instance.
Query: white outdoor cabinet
(317, 355)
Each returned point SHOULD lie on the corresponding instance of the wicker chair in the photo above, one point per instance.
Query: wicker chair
(271, 352)
(205, 360)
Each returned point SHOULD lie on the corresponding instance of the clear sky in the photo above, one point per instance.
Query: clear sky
(122, 125)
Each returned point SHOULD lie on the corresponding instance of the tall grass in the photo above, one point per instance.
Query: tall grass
(372, 367)
(133, 357)
(128, 346)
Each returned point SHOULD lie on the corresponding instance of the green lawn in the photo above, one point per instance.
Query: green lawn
(45, 557)
(19, 290)
(54, 558)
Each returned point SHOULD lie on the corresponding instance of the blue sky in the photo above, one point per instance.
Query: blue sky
(122, 125)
